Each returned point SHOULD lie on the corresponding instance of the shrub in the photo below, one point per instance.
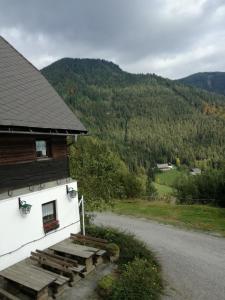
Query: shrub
(113, 249)
(139, 280)
(130, 247)
(151, 190)
(133, 185)
(206, 188)
(138, 275)
(105, 286)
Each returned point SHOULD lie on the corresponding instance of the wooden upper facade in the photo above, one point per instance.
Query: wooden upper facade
(22, 164)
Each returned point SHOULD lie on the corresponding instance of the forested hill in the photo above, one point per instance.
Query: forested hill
(146, 118)
(210, 81)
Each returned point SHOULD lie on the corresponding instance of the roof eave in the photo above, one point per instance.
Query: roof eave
(41, 131)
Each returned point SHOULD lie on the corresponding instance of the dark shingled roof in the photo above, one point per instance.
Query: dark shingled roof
(27, 100)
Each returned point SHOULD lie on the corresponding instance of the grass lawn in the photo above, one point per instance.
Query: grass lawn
(169, 177)
(201, 217)
(163, 190)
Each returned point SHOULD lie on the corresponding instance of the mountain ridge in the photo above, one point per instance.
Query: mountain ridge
(210, 81)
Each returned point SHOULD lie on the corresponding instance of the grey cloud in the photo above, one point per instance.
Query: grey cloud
(141, 35)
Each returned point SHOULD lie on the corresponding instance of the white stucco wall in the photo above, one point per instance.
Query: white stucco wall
(21, 234)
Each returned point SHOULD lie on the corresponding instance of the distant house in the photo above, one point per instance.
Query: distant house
(165, 167)
(195, 171)
(38, 199)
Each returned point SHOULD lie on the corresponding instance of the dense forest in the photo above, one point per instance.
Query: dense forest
(143, 118)
(210, 81)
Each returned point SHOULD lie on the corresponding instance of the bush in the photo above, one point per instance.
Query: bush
(151, 190)
(130, 247)
(138, 274)
(113, 249)
(208, 188)
(133, 186)
(105, 286)
(139, 280)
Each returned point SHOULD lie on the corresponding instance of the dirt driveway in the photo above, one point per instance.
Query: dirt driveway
(193, 263)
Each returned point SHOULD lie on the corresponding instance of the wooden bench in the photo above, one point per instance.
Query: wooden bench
(71, 263)
(55, 267)
(68, 267)
(5, 295)
(89, 240)
(59, 257)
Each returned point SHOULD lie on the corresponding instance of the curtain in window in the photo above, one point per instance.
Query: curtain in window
(41, 148)
(48, 209)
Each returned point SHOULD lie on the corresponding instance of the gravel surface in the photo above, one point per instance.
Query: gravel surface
(193, 263)
(85, 288)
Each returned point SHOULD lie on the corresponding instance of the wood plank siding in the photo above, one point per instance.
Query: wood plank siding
(37, 172)
(16, 149)
(20, 166)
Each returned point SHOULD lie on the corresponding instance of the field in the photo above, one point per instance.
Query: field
(164, 181)
(163, 190)
(200, 217)
(168, 177)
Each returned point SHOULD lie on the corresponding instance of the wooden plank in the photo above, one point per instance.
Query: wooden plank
(72, 245)
(85, 248)
(31, 173)
(57, 268)
(101, 252)
(6, 295)
(21, 148)
(90, 238)
(52, 264)
(59, 278)
(88, 242)
(66, 249)
(53, 259)
(69, 260)
(28, 277)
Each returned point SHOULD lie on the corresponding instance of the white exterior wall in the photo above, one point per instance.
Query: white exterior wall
(21, 234)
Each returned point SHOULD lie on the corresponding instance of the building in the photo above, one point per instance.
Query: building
(195, 171)
(164, 167)
(38, 199)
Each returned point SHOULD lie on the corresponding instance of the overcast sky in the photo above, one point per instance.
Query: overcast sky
(172, 38)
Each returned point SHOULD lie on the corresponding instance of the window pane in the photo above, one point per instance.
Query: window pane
(41, 148)
(48, 212)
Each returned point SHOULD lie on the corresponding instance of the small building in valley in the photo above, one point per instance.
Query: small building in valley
(165, 167)
(38, 199)
(195, 171)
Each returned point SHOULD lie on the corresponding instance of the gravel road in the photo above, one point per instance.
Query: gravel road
(193, 263)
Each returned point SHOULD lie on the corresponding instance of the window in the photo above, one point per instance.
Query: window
(49, 212)
(49, 216)
(42, 148)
